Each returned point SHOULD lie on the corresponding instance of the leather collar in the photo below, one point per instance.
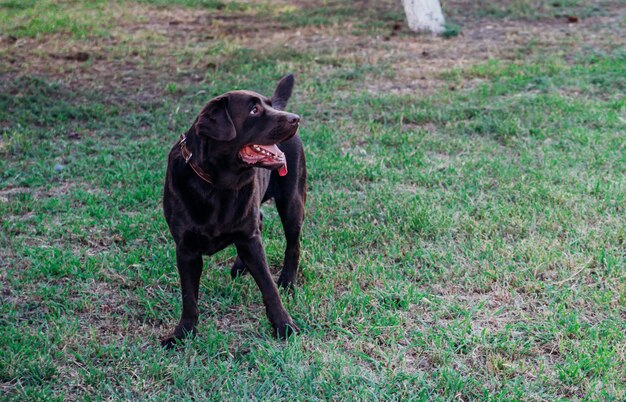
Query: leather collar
(186, 153)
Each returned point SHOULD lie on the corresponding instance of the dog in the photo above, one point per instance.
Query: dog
(241, 150)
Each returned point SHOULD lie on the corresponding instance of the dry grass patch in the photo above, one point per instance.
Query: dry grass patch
(147, 45)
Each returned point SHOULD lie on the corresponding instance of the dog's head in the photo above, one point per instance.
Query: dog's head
(248, 126)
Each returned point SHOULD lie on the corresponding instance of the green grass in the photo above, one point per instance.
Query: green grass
(31, 18)
(460, 244)
(533, 9)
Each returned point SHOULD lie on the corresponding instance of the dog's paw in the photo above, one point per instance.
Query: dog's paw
(286, 281)
(285, 330)
(176, 338)
(238, 269)
(171, 342)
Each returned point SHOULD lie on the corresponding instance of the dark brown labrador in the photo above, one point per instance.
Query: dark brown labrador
(234, 157)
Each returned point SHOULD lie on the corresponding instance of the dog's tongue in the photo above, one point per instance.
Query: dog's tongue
(282, 171)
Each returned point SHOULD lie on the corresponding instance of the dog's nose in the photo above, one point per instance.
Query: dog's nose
(293, 119)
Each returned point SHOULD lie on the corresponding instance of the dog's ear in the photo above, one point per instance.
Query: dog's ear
(282, 93)
(214, 120)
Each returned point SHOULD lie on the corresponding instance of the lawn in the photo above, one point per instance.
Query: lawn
(464, 237)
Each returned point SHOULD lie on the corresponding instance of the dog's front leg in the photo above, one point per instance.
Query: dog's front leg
(253, 256)
(239, 268)
(190, 270)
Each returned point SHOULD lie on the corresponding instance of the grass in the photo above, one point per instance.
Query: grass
(463, 242)
(534, 10)
(31, 18)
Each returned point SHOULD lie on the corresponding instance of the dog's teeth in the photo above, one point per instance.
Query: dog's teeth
(262, 151)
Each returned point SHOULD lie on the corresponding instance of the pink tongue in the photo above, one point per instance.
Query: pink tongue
(282, 171)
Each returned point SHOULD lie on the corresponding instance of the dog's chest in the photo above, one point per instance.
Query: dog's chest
(228, 212)
(219, 221)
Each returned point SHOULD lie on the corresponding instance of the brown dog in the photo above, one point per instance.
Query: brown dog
(234, 157)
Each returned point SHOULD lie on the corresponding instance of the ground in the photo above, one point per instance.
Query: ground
(464, 236)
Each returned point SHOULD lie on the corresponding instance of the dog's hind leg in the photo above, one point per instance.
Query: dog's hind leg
(291, 212)
(289, 194)
(238, 268)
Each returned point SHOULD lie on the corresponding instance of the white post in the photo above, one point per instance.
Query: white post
(424, 15)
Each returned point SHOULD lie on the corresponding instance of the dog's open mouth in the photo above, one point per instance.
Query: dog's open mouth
(266, 156)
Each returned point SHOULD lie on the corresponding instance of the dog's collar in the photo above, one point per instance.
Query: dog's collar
(182, 143)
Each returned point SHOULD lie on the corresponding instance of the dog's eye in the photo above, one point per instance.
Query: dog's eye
(254, 111)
